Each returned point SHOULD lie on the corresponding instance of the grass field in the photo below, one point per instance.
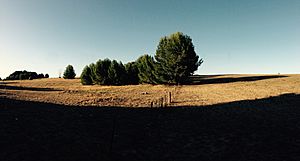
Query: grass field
(226, 117)
(206, 90)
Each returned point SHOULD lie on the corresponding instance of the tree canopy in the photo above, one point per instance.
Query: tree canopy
(86, 77)
(132, 72)
(101, 72)
(176, 59)
(69, 72)
(146, 67)
(117, 73)
(24, 75)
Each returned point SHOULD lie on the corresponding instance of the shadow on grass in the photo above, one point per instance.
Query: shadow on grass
(4, 82)
(8, 87)
(263, 129)
(200, 80)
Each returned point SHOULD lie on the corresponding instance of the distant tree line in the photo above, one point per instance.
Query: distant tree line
(26, 75)
(175, 60)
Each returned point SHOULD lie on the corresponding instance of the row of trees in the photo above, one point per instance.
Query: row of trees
(175, 60)
(25, 75)
(107, 72)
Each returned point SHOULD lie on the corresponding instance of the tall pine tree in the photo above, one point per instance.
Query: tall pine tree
(69, 72)
(117, 73)
(86, 76)
(176, 59)
(147, 72)
(101, 72)
(132, 73)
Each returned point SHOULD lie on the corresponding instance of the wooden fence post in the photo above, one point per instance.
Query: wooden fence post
(161, 101)
(170, 97)
(165, 101)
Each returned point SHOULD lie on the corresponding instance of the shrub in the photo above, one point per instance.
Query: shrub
(86, 76)
(46, 75)
(69, 72)
(176, 59)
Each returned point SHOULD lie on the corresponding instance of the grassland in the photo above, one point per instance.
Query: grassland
(206, 90)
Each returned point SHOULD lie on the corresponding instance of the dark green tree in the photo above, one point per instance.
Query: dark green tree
(117, 73)
(22, 75)
(41, 75)
(146, 67)
(69, 72)
(101, 72)
(176, 59)
(93, 72)
(132, 72)
(46, 75)
(86, 76)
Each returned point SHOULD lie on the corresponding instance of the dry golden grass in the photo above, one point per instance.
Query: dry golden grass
(209, 90)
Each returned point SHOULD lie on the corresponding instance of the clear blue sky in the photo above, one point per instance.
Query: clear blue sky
(232, 36)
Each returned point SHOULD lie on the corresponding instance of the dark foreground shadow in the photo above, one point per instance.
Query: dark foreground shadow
(199, 80)
(258, 130)
(9, 87)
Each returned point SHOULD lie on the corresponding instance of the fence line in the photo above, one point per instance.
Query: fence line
(164, 101)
